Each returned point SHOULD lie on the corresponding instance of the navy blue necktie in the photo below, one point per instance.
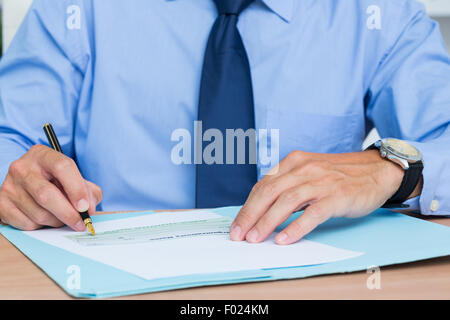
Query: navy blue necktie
(226, 102)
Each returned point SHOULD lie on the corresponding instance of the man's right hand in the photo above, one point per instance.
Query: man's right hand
(45, 188)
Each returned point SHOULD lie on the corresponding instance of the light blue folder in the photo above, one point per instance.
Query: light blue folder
(385, 238)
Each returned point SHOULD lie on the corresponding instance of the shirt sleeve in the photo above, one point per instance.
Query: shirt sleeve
(40, 79)
(409, 99)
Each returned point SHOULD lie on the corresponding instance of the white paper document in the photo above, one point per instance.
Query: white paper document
(183, 243)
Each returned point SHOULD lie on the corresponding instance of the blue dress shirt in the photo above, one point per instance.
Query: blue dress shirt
(117, 77)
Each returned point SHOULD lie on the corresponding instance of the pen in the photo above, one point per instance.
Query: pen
(54, 143)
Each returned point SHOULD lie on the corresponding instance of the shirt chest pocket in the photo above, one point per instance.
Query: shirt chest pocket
(313, 132)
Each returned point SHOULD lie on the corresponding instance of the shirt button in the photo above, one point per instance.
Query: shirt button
(434, 205)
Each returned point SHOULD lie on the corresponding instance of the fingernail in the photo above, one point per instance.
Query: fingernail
(252, 236)
(235, 232)
(80, 226)
(281, 238)
(83, 205)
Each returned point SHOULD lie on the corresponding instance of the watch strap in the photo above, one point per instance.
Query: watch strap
(410, 179)
(409, 182)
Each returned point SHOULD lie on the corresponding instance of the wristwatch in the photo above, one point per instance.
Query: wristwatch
(407, 157)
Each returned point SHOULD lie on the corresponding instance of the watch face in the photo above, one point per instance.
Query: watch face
(401, 149)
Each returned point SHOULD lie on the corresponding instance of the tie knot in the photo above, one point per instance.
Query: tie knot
(232, 7)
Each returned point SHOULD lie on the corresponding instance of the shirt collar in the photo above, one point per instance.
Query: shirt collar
(283, 8)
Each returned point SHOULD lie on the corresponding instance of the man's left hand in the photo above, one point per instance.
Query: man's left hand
(327, 185)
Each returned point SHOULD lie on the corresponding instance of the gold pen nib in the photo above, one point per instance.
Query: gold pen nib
(89, 226)
(91, 229)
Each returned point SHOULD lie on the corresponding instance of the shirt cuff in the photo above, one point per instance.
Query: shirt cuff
(413, 204)
(434, 199)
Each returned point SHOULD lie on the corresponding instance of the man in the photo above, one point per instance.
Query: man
(118, 78)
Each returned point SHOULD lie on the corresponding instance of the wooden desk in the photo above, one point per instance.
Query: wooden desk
(429, 279)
